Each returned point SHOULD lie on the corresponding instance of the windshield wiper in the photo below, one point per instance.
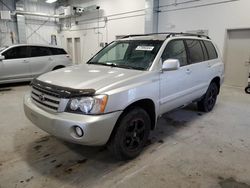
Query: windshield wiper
(116, 65)
(97, 63)
(130, 67)
(104, 64)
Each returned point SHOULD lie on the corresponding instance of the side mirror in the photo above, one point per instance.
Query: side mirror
(2, 57)
(171, 64)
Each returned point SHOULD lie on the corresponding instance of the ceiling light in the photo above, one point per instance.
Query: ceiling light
(50, 1)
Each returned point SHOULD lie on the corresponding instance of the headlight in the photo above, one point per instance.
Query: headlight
(88, 105)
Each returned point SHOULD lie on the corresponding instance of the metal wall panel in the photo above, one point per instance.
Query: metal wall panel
(21, 28)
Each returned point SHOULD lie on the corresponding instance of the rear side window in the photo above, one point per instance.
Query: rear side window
(204, 51)
(37, 51)
(195, 51)
(212, 54)
(57, 51)
(175, 49)
(16, 53)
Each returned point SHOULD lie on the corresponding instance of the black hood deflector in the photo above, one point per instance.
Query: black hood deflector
(61, 92)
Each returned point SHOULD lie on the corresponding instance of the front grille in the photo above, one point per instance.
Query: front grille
(45, 98)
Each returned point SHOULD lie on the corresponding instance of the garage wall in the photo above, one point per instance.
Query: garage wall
(117, 17)
(215, 16)
(7, 26)
(40, 29)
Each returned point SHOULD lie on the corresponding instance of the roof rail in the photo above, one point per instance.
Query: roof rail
(140, 35)
(169, 34)
(188, 34)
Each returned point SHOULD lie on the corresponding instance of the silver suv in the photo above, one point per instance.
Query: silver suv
(23, 62)
(117, 96)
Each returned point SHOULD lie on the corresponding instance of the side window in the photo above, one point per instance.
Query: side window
(37, 51)
(116, 53)
(204, 51)
(57, 51)
(195, 51)
(211, 50)
(175, 50)
(16, 53)
(34, 51)
(44, 51)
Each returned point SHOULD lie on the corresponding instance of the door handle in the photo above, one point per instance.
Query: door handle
(50, 59)
(188, 71)
(25, 61)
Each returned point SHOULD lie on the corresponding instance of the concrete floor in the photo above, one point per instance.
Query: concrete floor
(188, 149)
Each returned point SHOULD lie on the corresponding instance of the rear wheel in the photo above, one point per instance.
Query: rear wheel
(131, 134)
(247, 89)
(206, 104)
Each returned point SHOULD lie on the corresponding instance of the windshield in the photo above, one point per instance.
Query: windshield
(2, 48)
(132, 54)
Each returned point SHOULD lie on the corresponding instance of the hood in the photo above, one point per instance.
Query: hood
(87, 76)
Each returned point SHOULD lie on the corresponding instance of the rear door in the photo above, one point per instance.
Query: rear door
(198, 68)
(41, 60)
(16, 64)
(60, 56)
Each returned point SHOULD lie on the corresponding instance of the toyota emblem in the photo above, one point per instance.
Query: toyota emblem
(42, 97)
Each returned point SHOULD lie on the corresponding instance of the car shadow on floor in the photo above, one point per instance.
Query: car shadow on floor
(74, 163)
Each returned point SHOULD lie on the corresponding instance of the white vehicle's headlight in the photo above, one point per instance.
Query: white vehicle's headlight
(88, 105)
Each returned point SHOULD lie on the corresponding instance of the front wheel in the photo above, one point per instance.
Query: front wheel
(131, 134)
(206, 104)
(247, 89)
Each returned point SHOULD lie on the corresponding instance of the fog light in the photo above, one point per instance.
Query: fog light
(79, 131)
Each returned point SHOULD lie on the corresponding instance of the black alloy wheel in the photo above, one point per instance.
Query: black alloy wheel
(207, 103)
(131, 134)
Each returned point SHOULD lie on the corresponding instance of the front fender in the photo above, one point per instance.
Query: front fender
(132, 91)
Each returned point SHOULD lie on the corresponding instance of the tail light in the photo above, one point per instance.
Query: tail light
(68, 56)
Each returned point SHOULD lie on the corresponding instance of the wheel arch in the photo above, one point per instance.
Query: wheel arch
(147, 104)
(216, 80)
(58, 67)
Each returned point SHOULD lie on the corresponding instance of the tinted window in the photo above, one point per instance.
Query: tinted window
(175, 50)
(204, 51)
(16, 53)
(57, 51)
(211, 50)
(195, 51)
(37, 51)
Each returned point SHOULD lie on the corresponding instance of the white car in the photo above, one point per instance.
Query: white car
(23, 62)
(117, 97)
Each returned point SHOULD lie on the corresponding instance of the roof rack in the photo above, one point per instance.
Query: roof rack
(188, 34)
(141, 35)
(169, 34)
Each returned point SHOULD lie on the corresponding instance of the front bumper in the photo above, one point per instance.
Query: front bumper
(97, 128)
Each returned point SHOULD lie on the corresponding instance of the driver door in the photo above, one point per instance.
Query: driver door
(175, 84)
(16, 63)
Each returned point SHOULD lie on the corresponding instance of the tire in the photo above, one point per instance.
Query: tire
(207, 103)
(131, 134)
(247, 89)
